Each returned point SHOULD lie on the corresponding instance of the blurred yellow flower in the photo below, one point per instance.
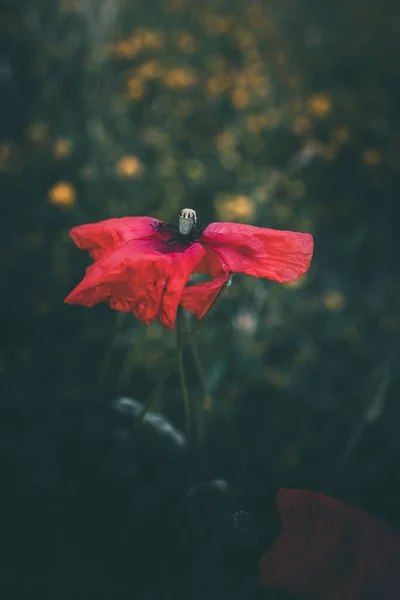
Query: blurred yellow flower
(226, 141)
(179, 77)
(186, 42)
(37, 132)
(218, 84)
(245, 38)
(126, 48)
(240, 98)
(372, 157)
(234, 207)
(62, 148)
(148, 70)
(301, 124)
(151, 38)
(130, 166)
(329, 151)
(333, 300)
(217, 23)
(341, 134)
(230, 160)
(256, 122)
(62, 194)
(320, 105)
(136, 88)
(194, 169)
(297, 283)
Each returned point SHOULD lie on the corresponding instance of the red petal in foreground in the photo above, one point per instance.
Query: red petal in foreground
(278, 255)
(135, 278)
(198, 299)
(330, 551)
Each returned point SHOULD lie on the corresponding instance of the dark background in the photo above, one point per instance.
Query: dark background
(281, 114)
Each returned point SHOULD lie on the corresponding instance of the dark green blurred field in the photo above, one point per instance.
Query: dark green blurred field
(282, 114)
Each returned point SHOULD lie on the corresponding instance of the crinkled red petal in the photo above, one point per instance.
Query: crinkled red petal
(331, 551)
(210, 263)
(102, 238)
(269, 253)
(183, 265)
(136, 278)
(198, 299)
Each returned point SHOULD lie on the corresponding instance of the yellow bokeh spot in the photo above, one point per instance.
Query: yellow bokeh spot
(195, 169)
(230, 160)
(130, 166)
(256, 122)
(320, 105)
(218, 84)
(186, 42)
(372, 157)
(341, 134)
(226, 141)
(301, 124)
(151, 38)
(240, 98)
(62, 194)
(234, 207)
(136, 88)
(329, 151)
(217, 23)
(245, 39)
(297, 283)
(148, 70)
(37, 132)
(179, 77)
(333, 300)
(126, 48)
(62, 148)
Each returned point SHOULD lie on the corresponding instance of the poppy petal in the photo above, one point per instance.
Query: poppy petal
(198, 299)
(131, 279)
(183, 265)
(106, 236)
(277, 255)
(138, 279)
(331, 551)
(210, 263)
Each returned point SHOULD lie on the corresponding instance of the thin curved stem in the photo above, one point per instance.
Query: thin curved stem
(184, 339)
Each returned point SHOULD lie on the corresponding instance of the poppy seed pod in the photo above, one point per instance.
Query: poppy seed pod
(187, 220)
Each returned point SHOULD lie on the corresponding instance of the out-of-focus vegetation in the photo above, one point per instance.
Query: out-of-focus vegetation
(279, 114)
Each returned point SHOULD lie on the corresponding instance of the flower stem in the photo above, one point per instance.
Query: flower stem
(186, 397)
(184, 338)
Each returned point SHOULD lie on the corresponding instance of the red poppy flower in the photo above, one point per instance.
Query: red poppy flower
(331, 551)
(142, 265)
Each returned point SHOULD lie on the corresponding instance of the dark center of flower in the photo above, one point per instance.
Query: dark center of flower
(188, 231)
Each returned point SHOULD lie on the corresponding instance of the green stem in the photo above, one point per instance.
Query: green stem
(184, 338)
(182, 377)
(191, 441)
